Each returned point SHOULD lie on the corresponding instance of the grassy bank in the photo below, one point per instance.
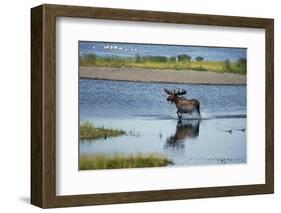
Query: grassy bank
(181, 62)
(89, 131)
(117, 161)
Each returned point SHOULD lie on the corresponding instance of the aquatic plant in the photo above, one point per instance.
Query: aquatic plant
(117, 161)
(89, 131)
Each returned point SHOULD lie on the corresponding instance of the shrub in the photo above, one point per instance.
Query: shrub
(242, 63)
(173, 59)
(199, 58)
(184, 58)
(227, 65)
(88, 59)
(138, 58)
(155, 58)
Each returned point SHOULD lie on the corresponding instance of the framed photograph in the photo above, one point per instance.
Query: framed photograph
(136, 106)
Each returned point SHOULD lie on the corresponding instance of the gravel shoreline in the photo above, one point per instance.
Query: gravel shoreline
(168, 76)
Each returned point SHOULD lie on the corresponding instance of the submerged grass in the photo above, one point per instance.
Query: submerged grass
(117, 161)
(89, 131)
(161, 62)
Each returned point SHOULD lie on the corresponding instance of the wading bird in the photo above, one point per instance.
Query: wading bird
(183, 105)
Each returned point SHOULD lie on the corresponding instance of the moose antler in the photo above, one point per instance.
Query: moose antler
(169, 92)
(175, 92)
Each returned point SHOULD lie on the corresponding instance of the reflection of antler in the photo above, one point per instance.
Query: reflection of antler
(175, 92)
(186, 129)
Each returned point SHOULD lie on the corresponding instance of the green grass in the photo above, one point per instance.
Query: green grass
(161, 62)
(117, 161)
(89, 131)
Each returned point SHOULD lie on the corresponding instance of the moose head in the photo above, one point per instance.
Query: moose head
(173, 94)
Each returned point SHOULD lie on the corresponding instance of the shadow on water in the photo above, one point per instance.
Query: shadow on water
(185, 129)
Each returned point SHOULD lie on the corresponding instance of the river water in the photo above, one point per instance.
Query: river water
(152, 126)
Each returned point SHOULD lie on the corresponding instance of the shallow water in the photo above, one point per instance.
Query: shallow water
(152, 126)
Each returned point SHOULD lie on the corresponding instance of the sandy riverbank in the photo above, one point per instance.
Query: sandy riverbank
(154, 75)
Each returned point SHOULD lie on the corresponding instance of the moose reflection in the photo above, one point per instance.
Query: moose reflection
(185, 129)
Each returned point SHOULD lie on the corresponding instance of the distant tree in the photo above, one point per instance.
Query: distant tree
(199, 58)
(227, 65)
(161, 58)
(242, 62)
(138, 58)
(88, 59)
(242, 65)
(155, 58)
(90, 56)
(173, 59)
(184, 58)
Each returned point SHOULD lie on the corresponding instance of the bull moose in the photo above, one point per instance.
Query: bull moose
(183, 105)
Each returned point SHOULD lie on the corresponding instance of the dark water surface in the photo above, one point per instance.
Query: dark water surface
(152, 126)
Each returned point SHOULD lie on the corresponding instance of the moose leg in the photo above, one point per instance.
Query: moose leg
(198, 110)
(179, 116)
